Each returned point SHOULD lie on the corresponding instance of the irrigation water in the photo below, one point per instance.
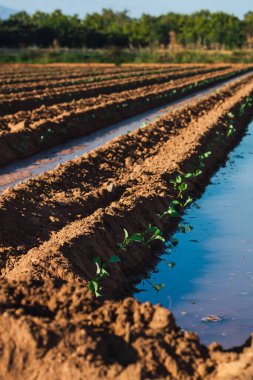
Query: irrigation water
(207, 279)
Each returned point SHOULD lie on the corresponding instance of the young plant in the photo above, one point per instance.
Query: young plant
(179, 185)
(101, 273)
(129, 239)
(154, 233)
(171, 210)
(230, 131)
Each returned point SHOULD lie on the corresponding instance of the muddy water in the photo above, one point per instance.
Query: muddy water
(213, 272)
(17, 172)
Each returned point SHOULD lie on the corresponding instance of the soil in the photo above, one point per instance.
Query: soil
(13, 102)
(52, 226)
(27, 132)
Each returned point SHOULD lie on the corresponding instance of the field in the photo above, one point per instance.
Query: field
(75, 241)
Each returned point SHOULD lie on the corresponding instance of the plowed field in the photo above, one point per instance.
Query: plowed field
(60, 232)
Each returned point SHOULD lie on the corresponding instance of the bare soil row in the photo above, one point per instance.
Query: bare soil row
(13, 122)
(53, 226)
(11, 103)
(80, 77)
(27, 132)
(73, 72)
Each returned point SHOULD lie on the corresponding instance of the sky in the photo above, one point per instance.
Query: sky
(135, 7)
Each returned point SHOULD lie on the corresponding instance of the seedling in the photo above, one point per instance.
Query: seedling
(101, 272)
(230, 131)
(188, 200)
(129, 239)
(205, 155)
(182, 188)
(179, 185)
(152, 232)
(171, 210)
(156, 234)
(194, 174)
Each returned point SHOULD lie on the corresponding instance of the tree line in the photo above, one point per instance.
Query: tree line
(202, 29)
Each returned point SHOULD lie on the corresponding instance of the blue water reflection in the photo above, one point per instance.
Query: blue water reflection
(213, 274)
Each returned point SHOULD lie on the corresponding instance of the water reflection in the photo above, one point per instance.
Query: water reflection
(210, 289)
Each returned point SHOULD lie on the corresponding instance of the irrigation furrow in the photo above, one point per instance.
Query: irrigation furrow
(118, 179)
(29, 133)
(10, 104)
(80, 78)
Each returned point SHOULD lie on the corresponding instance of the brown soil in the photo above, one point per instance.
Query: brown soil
(11, 103)
(78, 78)
(28, 132)
(52, 226)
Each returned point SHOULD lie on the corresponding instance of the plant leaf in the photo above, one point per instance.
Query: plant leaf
(137, 237)
(114, 259)
(93, 286)
(125, 234)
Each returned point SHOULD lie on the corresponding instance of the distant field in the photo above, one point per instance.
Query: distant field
(118, 56)
(43, 105)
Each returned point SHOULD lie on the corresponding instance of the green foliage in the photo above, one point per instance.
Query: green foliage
(145, 238)
(134, 238)
(101, 273)
(202, 29)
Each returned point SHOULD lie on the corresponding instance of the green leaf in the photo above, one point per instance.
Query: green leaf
(103, 272)
(188, 200)
(197, 172)
(97, 260)
(178, 179)
(137, 238)
(114, 259)
(183, 186)
(93, 286)
(174, 203)
(159, 237)
(172, 212)
(125, 234)
(188, 175)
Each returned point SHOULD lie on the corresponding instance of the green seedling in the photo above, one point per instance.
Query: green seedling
(181, 188)
(230, 131)
(194, 174)
(231, 115)
(188, 200)
(154, 234)
(101, 273)
(179, 185)
(171, 264)
(171, 210)
(129, 239)
(176, 181)
(205, 155)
